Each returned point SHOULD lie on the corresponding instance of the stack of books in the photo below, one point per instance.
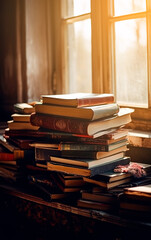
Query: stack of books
(95, 123)
(21, 117)
(109, 191)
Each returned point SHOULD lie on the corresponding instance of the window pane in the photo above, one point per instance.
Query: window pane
(79, 56)
(75, 7)
(131, 62)
(122, 7)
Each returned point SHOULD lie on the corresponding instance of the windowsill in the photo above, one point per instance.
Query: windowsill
(139, 138)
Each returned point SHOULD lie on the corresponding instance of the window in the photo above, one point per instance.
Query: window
(107, 49)
(77, 45)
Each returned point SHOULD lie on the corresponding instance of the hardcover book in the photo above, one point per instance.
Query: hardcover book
(78, 126)
(45, 153)
(85, 172)
(92, 147)
(87, 162)
(78, 99)
(89, 113)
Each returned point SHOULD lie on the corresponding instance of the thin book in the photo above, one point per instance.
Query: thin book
(78, 99)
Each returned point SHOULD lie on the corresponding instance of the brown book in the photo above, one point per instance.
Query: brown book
(21, 125)
(17, 117)
(94, 205)
(74, 125)
(24, 108)
(78, 99)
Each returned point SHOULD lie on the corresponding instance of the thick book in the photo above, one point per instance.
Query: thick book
(78, 126)
(78, 99)
(87, 162)
(24, 108)
(18, 117)
(85, 172)
(92, 147)
(45, 153)
(21, 125)
(89, 113)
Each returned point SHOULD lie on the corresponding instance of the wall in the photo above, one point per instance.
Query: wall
(26, 52)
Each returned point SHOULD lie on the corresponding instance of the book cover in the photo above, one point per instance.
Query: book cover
(78, 126)
(89, 113)
(87, 162)
(78, 99)
(85, 172)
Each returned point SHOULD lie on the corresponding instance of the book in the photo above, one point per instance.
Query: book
(5, 156)
(112, 179)
(16, 151)
(45, 153)
(92, 147)
(21, 125)
(87, 162)
(24, 108)
(21, 142)
(45, 187)
(89, 113)
(66, 188)
(94, 205)
(85, 172)
(17, 117)
(70, 181)
(43, 133)
(139, 190)
(107, 185)
(78, 99)
(73, 125)
(103, 196)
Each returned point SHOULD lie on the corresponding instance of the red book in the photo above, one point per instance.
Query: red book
(78, 126)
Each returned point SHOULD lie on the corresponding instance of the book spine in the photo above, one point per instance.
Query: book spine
(84, 102)
(6, 156)
(44, 154)
(60, 123)
(23, 154)
(83, 147)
